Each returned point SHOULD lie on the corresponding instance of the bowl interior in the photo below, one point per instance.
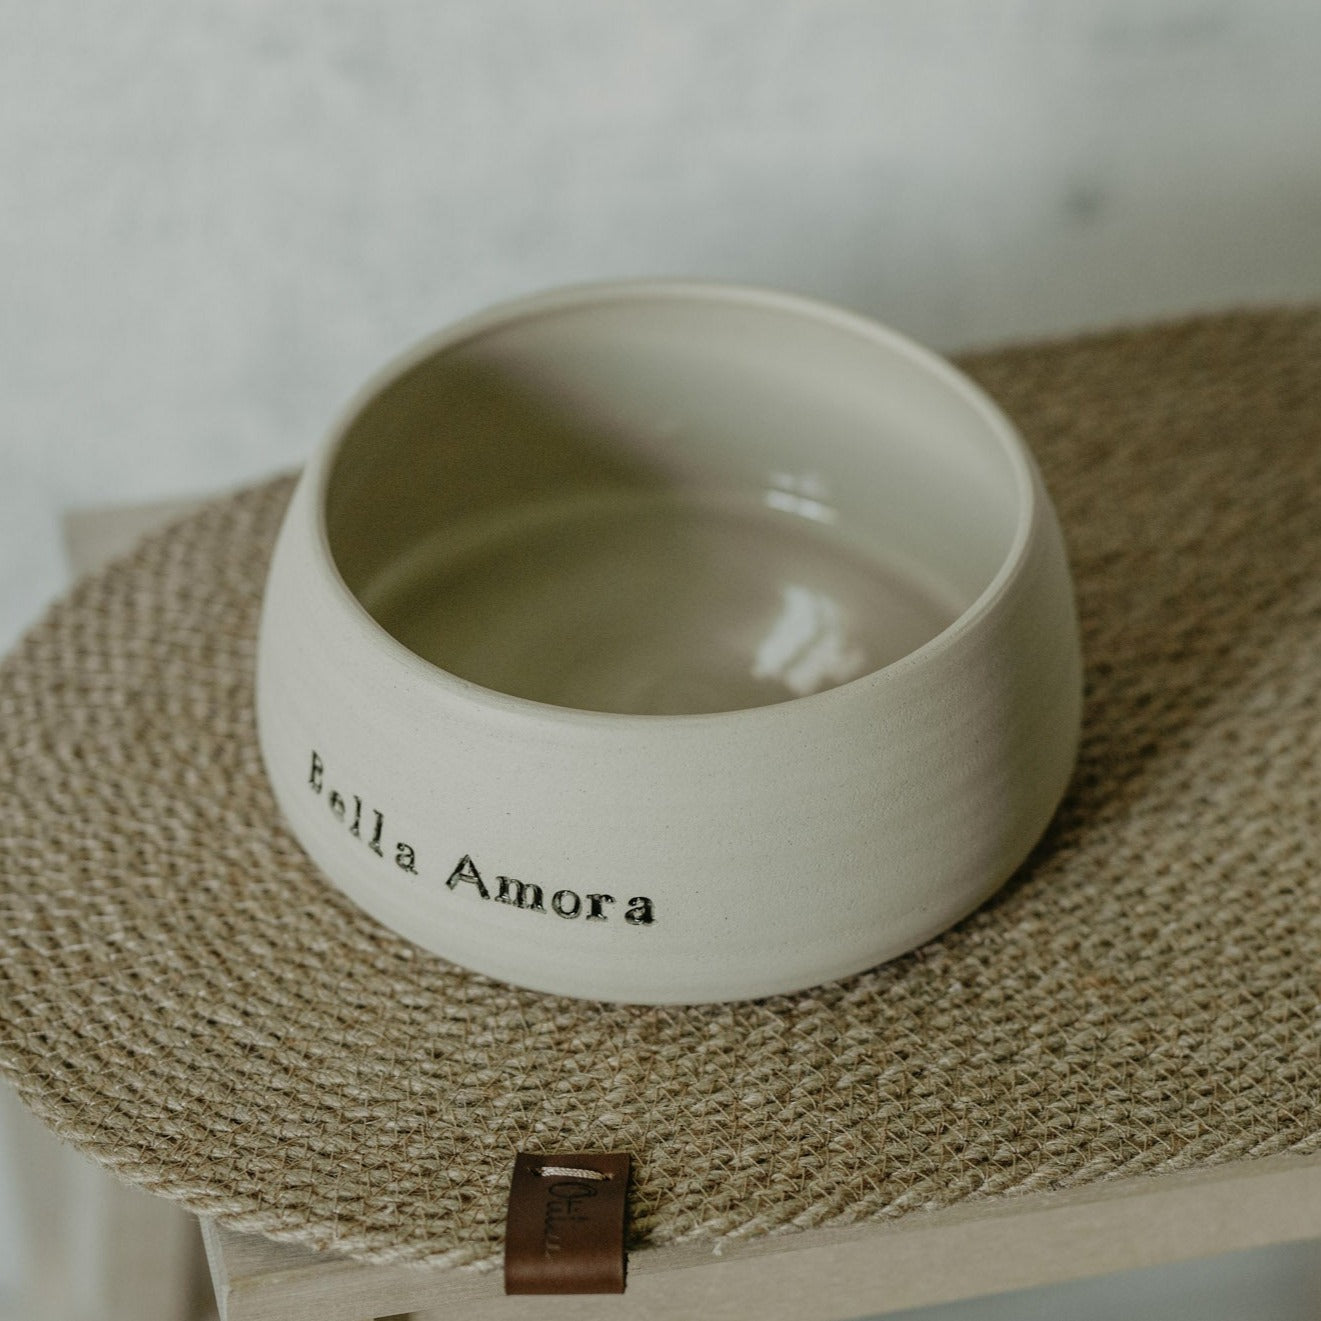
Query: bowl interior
(661, 504)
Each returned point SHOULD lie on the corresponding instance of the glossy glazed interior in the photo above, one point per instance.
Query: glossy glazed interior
(655, 505)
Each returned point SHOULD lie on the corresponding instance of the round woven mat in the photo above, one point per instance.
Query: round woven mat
(183, 997)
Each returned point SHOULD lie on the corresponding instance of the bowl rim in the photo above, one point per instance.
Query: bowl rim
(549, 302)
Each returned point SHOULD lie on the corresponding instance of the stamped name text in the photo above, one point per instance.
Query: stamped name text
(367, 824)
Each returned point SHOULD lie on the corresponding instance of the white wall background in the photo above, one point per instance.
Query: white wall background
(217, 218)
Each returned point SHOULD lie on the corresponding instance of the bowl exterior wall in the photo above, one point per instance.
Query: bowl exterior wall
(667, 860)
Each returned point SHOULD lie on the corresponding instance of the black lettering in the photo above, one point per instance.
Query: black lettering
(375, 842)
(640, 912)
(595, 911)
(466, 871)
(522, 894)
(337, 803)
(317, 778)
(405, 858)
(566, 903)
(356, 828)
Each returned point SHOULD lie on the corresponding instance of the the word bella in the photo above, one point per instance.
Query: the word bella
(368, 827)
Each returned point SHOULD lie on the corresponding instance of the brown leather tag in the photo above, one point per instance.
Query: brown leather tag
(565, 1229)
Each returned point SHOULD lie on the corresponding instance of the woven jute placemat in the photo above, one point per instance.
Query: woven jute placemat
(184, 998)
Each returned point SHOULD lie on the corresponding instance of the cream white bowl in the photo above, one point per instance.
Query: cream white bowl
(669, 643)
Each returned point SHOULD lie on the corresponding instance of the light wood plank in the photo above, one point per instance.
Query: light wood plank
(991, 1246)
(92, 537)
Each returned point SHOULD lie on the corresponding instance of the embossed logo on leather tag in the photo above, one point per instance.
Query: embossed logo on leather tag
(565, 1228)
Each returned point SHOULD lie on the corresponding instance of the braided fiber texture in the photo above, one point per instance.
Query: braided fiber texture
(186, 1000)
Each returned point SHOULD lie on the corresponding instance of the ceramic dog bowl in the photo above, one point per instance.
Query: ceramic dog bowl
(669, 643)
